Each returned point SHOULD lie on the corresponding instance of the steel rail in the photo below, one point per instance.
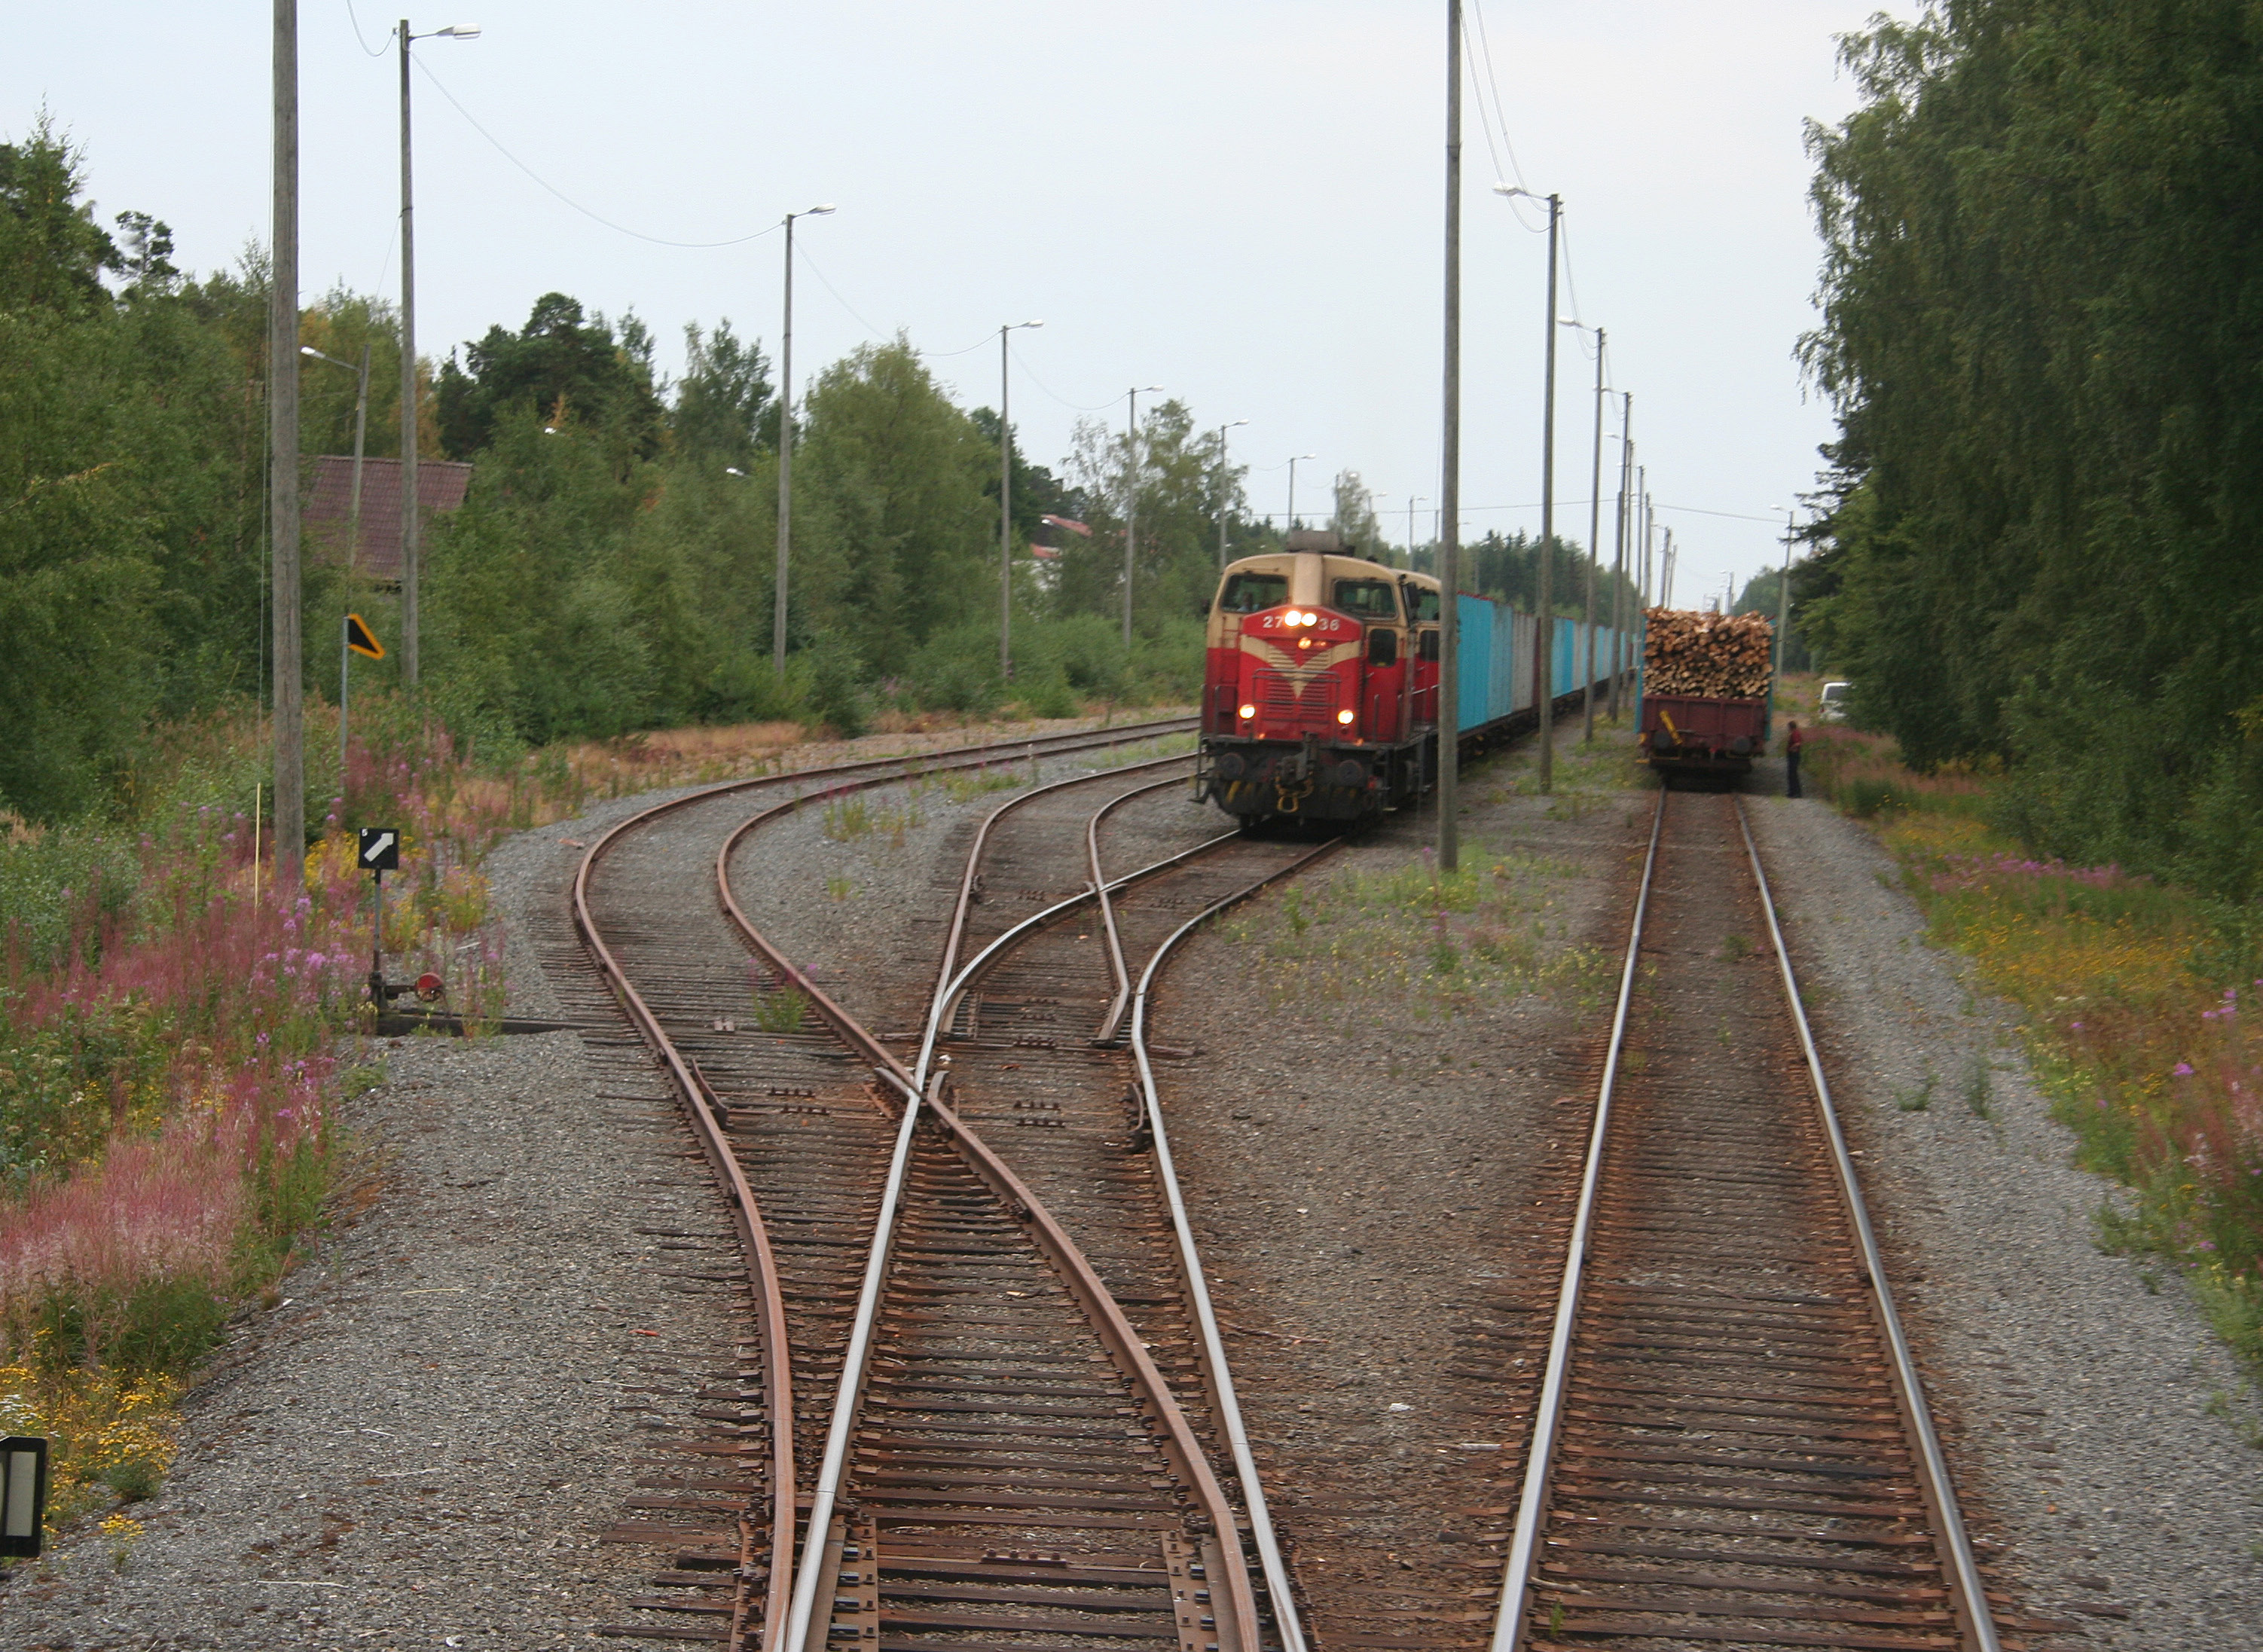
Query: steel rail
(947, 974)
(762, 1269)
(1277, 1583)
(944, 973)
(982, 960)
(1102, 889)
(1547, 1417)
(1975, 1619)
(1122, 1340)
(698, 1100)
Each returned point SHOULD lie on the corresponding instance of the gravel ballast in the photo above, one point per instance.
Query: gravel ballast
(2081, 1393)
(422, 1445)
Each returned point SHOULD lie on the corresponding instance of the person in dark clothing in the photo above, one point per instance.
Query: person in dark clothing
(1793, 739)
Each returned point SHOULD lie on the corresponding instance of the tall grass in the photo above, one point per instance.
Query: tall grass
(176, 1032)
(2151, 1054)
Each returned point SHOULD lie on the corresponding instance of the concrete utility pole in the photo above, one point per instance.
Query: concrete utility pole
(1222, 485)
(353, 528)
(290, 730)
(1450, 477)
(786, 450)
(1547, 600)
(1594, 552)
(1131, 498)
(1783, 591)
(1648, 539)
(409, 539)
(411, 500)
(1006, 510)
(1289, 525)
(1619, 552)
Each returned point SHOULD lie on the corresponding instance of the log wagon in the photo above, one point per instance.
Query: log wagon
(1707, 680)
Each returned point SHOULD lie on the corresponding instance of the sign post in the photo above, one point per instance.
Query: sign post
(23, 1496)
(355, 638)
(380, 853)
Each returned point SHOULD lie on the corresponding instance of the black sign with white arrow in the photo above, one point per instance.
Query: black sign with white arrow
(380, 849)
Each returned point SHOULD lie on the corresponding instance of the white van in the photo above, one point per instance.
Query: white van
(1833, 709)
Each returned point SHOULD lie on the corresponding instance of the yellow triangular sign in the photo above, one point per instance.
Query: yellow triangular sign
(361, 640)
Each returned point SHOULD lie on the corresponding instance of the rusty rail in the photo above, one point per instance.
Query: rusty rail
(1675, 1437)
(700, 1106)
(921, 1097)
(1216, 1370)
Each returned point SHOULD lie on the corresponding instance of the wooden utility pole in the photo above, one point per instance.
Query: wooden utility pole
(290, 729)
(1450, 477)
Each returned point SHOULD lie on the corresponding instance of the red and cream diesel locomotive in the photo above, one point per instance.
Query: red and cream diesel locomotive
(1321, 685)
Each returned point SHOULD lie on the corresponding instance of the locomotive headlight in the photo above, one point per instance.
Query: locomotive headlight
(1248, 711)
(1344, 718)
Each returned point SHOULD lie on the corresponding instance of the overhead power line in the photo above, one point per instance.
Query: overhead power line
(598, 217)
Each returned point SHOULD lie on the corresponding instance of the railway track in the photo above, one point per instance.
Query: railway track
(1004, 1456)
(786, 1124)
(1730, 1442)
(1094, 1327)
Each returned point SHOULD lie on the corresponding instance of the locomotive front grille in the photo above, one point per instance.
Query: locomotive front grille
(1278, 699)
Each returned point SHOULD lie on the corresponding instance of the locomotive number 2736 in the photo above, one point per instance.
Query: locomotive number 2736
(1319, 621)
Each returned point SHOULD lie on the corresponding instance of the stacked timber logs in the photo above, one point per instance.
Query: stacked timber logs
(1721, 656)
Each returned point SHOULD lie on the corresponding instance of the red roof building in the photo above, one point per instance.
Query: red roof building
(327, 508)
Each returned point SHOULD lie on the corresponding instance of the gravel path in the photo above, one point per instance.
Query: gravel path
(1375, 1184)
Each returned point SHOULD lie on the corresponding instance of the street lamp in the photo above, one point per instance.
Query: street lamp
(1412, 500)
(1289, 526)
(361, 424)
(1131, 502)
(353, 526)
(1233, 424)
(785, 447)
(1544, 600)
(1006, 511)
(408, 491)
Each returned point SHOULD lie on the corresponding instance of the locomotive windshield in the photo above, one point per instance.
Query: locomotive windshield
(1369, 599)
(1426, 605)
(1248, 593)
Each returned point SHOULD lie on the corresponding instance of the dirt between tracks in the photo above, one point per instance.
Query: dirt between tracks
(1386, 1105)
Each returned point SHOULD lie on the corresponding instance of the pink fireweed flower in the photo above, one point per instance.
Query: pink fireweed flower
(2183, 1070)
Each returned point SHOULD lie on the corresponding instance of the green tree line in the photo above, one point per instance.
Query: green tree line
(611, 569)
(2043, 325)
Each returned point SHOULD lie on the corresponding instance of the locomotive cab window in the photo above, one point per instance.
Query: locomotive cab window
(1248, 593)
(1369, 599)
(1383, 648)
(1426, 605)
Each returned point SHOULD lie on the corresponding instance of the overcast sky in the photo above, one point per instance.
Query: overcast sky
(1237, 200)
